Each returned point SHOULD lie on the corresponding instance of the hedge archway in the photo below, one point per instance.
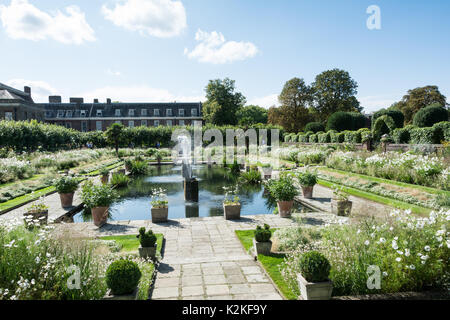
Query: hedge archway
(381, 124)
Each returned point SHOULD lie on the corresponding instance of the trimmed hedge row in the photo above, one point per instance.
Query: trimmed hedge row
(332, 136)
(428, 135)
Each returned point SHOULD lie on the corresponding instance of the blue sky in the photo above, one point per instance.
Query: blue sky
(164, 50)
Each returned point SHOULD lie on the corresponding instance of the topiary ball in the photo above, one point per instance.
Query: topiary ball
(428, 116)
(314, 267)
(122, 276)
(263, 235)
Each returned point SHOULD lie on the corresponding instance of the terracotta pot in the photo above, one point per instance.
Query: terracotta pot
(284, 208)
(105, 179)
(100, 215)
(341, 207)
(308, 192)
(66, 199)
(41, 216)
(160, 215)
(232, 212)
(314, 290)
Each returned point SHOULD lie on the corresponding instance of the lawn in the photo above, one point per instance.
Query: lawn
(270, 263)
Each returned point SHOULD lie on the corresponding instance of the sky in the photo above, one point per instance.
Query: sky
(166, 50)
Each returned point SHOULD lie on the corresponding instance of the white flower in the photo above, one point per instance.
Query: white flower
(412, 267)
(394, 245)
(398, 259)
(425, 258)
(400, 252)
(427, 248)
(382, 240)
(367, 242)
(385, 274)
(407, 253)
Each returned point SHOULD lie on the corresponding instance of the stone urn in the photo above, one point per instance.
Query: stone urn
(148, 252)
(66, 199)
(232, 212)
(262, 247)
(105, 178)
(341, 207)
(35, 215)
(314, 290)
(100, 215)
(285, 208)
(308, 192)
(160, 215)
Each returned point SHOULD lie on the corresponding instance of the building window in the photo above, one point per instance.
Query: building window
(48, 114)
(144, 123)
(8, 116)
(156, 112)
(83, 126)
(68, 125)
(144, 112)
(131, 112)
(82, 113)
(60, 114)
(131, 123)
(117, 112)
(156, 123)
(69, 113)
(181, 112)
(168, 112)
(99, 113)
(98, 125)
(181, 122)
(169, 123)
(194, 112)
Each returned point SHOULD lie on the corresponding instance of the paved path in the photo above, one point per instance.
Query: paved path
(202, 258)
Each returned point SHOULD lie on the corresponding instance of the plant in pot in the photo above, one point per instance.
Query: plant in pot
(104, 172)
(261, 242)
(128, 162)
(307, 180)
(147, 249)
(36, 214)
(231, 204)
(284, 192)
(340, 204)
(66, 187)
(98, 198)
(122, 279)
(313, 280)
(160, 206)
(267, 170)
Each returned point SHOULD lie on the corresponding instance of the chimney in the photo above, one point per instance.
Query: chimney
(95, 100)
(27, 90)
(76, 100)
(54, 99)
(108, 101)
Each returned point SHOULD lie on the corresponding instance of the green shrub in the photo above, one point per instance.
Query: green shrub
(303, 138)
(314, 127)
(428, 116)
(94, 196)
(441, 128)
(138, 167)
(383, 125)
(283, 189)
(66, 184)
(340, 137)
(395, 114)
(263, 234)
(122, 276)
(67, 164)
(251, 177)
(313, 138)
(314, 266)
(425, 136)
(401, 135)
(146, 239)
(119, 180)
(307, 179)
(324, 137)
(340, 121)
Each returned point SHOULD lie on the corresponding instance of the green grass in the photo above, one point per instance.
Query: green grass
(376, 198)
(130, 242)
(26, 198)
(110, 167)
(35, 177)
(270, 263)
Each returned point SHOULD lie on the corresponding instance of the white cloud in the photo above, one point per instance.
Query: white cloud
(265, 102)
(40, 90)
(374, 103)
(213, 48)
(22, 20)
(113, 73)
(158, 18)
(142, 93)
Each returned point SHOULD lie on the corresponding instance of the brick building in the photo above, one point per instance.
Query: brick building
(18, 105)
(92, 116)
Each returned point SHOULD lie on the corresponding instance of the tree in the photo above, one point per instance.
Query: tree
(222, 102)
(251, 115)
(295, 99)
(115, 135)
(335, 90)
(428, 116)
(419, 98)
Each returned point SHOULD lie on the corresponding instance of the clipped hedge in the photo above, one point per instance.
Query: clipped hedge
(428, 116)
(424, 136)
(395, 114)
(314, 127)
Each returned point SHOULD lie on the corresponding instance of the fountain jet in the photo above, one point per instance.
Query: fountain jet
(190, 183)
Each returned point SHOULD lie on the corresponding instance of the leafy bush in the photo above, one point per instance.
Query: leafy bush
(94, 196)
(314, 127)
(425, 136)
(395, 114)
(314, 267)
(263, 235)
(313, 138)
(442, 130)
(138, 167)
(401, 135)
(283, 189)
(324, 137)
(383, 125)
(122, 276)
(302, 137)
(66, 184)
(428, 116)
(307, 179)
(340, 121)
(251, 177)
(119, 180)
(146, 239)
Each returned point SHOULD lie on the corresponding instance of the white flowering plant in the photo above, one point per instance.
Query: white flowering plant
(231, 197)
(159, 199)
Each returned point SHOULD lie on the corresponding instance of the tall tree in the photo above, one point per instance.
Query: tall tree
(251, 115)
(417, 99)
(223, 102)
(115, 135)
(335, 90)
(295, 99)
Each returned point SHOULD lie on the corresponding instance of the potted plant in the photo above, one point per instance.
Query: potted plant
(66, 187)
(267, 170)
(313, 279)
(160, 206)
(98, 198)
(284, 192)
(340, 204)
(231, 205)
(148, 246)
(128, 163)
(104, 172)
(36, 214)
(307, 180)
(122, 279)
(261, 242)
